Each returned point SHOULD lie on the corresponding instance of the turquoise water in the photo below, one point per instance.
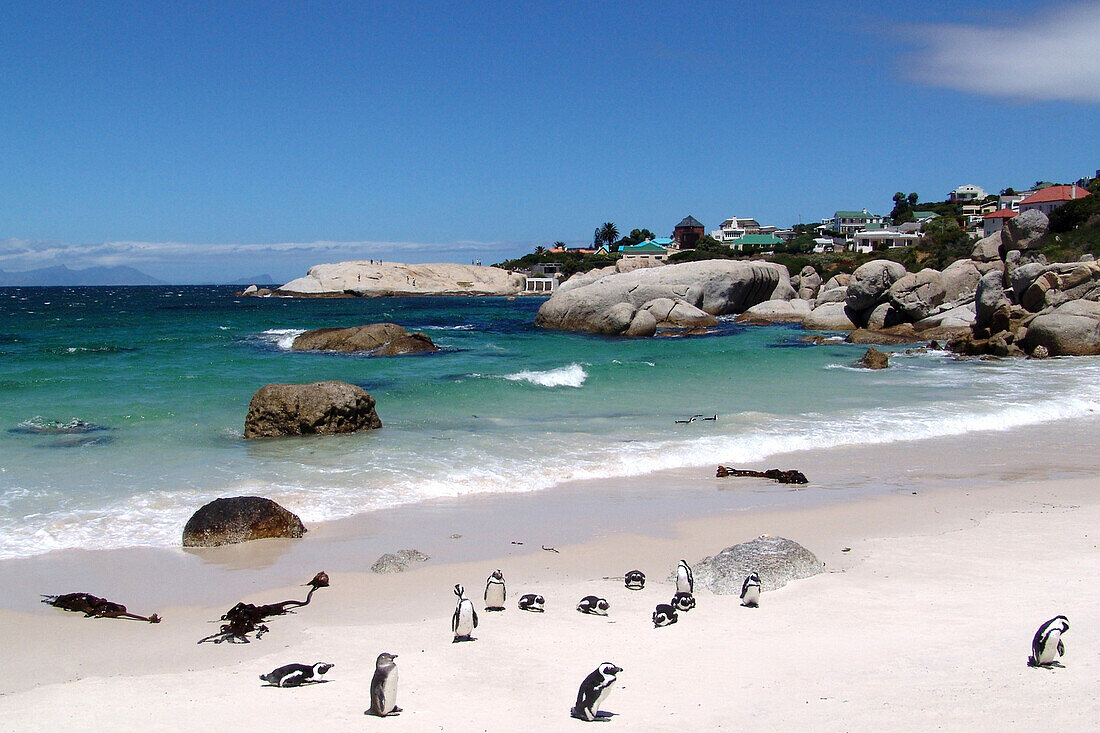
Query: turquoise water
(155, 383)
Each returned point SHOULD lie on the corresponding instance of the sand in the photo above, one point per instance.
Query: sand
(935, 584)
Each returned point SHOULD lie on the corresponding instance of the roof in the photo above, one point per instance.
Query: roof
(920, 215)
(757, 239)
(663, 241)
(646, 246)
(1055, 193)
(862, 214)
(1000, 214)
(689, 221)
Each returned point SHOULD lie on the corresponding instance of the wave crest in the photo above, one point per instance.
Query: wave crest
(566, 376)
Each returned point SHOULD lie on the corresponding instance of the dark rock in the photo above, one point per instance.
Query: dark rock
(874, 359)
(776, 559)
(240, 519)
(383, 339)
(789, 476)
(863, 336)
(304, 409)
(397, 562)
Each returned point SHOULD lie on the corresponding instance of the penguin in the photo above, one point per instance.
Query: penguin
(750, 591)
(464, 620)
(593, 691)
(593, 605)
(495, 592)
(665, 615)
(1047, 645)
(683, 601)
(292, 675)
(383, 688)
(635, 580)
(685, 582)
(532, 602)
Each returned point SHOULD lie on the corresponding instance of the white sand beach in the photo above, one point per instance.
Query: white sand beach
(923, 619)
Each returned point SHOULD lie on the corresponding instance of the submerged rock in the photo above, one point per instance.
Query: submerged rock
(240, 519)
(304, 409)
(777, 559)
(382, 339)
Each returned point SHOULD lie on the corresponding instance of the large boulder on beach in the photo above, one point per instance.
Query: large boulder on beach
(1025, 230)
(1071, 329)
(608, 304)
(989, 298)
(960, 279)
(306, 409)
(778, 560)
(916, 295)
(777, 311)
(870, 283)
(240, 519)
(381, 339)
(375, 279)
(809, 283)
(987, 249)
(828, 317)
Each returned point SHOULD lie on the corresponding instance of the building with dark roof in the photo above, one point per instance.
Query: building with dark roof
(687, 232)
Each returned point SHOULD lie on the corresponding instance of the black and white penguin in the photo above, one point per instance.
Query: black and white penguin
(750, 591)
(532, 602)
(1047, 645)
(383, 688)
(593, 605)
(464, 620)
(593, 691)
(683, 602)
(495, 592)
(292, 675)
(685, 582)
(635, 580)
(664, 615)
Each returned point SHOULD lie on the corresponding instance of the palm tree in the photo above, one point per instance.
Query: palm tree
(608, 233)
(540, 250)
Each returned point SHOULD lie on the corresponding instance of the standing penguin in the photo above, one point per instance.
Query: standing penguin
(292, 675)
(593, 690)
(1047, 645)
(685, 583)
(464, 620)
(635, 580)
(383, 688)
(495, 592)
(750, 590)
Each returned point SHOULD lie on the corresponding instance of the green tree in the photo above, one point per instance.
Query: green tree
(607, 233)
(903, 208)
(540, 250)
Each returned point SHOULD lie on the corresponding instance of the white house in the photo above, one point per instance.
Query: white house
(1048, 199)
(992, 222)
(872, 239)
(850, 222)
(967, 192)
(737, 227)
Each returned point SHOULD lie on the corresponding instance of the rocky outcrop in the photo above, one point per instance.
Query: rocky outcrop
(960, 278)
(382, 339)
(397, 562)
(990, 299)
(1071, 329)
(305, 409)
(240, 519)
(253, 291)
(370, 279)
(809, 283)
(871, 282)
(917, 295)
(987, 249)
(828, 317)
(776, 311)
(608, 304)
(1025, 230)
(776, 559)
(874, 359)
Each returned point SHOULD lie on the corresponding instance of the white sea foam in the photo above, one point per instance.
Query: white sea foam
(567, 376)
(281, 337)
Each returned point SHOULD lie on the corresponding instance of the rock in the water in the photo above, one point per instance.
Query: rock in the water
(240, 519)
(397, 562)
(1024, 230)
(870, 283)
(375, 279)
(383, 339)
(874, 359)
(884, 315)
(778, 560)
(1071, 329)
(305, 409)
(776, 311)
(828, 317)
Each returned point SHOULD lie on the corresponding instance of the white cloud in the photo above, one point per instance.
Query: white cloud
(1050, 56)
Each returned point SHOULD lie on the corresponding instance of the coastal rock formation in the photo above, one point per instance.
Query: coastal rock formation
(373, 279)
(917, 294)
(1024, 230)
(874, 359)
(829, 317)
(871, 282)
(777, 311)
(608, 304)
(397, 562)
(304, 409)
(1071, 329)
(778, 560)
(240, 519)
(809, 283)
(383, 339)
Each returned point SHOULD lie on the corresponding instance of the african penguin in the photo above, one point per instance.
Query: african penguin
(464, 620)
(750, 591)
(495, 593)
(593, 605)
(685, 583)
(664, 615)
(383, 688)
(292, 675)
(532, 602)
(683, 602)
(1047, 645)
(635, 580)
(593, 691)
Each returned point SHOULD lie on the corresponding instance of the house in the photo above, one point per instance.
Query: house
(824, 244)
(688, 232)
(850, 222)
(1011, 201)
(754, 242)
(657, 250)
(1048, 199)
(737, 227)
(922, 216)
(967, 193)
(992, 223)
(871, 239)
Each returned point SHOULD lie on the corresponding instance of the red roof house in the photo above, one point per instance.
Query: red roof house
(1050, 198)
(993, 221)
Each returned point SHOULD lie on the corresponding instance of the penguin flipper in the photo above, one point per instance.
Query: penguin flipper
(1061, 648)
(454, 622)
(475, 617)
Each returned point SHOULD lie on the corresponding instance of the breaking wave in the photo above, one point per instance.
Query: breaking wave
(567, 376)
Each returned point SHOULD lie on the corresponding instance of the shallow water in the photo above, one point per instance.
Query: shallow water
(166, 375)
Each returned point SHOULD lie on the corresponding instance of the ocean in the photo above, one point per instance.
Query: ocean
(122, 409)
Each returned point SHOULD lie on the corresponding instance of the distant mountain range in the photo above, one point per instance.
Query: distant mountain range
(62, 275)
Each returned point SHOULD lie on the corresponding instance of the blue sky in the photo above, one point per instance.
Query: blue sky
(208, 141)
